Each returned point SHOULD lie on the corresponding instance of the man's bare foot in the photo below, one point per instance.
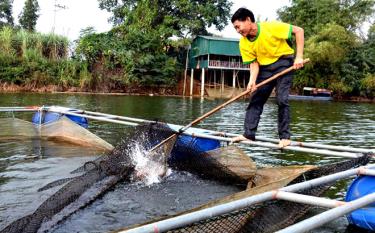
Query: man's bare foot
(238, 139)
(283, 143)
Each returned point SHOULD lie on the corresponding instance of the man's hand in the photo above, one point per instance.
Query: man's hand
(251, 86)
(298, 63)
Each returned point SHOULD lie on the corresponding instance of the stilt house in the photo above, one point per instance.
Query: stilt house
(216, 64)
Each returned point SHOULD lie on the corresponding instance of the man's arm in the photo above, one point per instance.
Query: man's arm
(254, 71)
(300, 40)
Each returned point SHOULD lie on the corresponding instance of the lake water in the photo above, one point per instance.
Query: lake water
(334, 123)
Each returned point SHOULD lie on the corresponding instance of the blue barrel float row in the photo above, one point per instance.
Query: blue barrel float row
(183, 141)
(42, 117)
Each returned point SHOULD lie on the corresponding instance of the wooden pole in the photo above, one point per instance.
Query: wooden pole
(202, 82)
(191, 81)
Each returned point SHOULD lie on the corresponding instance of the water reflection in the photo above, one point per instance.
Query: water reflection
(21, 173)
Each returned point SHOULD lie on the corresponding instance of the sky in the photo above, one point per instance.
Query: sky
(80, 14)
(262, 9)
(77, 15)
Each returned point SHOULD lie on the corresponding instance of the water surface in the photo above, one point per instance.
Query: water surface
(26, 165)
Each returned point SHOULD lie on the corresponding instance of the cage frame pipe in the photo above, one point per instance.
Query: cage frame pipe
(258, 138)
(295, 146)
(186, 219)
(329, 215)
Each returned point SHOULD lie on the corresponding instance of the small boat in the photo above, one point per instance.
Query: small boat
(311, 93)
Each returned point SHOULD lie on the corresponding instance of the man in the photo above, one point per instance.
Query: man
(265, 46)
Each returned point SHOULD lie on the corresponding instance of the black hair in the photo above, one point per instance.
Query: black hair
(241, 14)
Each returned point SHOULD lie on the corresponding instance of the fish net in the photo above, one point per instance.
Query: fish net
(63, 130)
(94, 178)
(272, 215)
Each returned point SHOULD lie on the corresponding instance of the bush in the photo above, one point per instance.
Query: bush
(339, 88)
(367, 86)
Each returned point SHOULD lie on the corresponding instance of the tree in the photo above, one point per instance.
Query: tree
(6, 18)
(340, 58)
(314, 15)
(328, 50)
(142, 42)
(135, 47)
(29, 15)
(182, 17)
(371, 32)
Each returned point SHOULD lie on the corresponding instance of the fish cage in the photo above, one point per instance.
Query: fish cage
(271, 199)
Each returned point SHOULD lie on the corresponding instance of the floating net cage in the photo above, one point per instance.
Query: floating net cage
(225, 164)
(62, 129)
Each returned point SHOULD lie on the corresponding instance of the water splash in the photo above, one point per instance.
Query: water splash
(147, 169)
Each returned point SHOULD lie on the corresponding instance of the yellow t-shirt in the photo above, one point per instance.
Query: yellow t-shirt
(269, 44)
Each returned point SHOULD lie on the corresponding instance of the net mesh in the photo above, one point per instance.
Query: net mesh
(228, 164)
(13, 128)
(61, 130)
(224, 164)
(272, 215)
(98, 176)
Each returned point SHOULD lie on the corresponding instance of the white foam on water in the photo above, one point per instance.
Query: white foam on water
(147, 170)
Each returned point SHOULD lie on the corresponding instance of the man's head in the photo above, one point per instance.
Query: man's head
(244, 22)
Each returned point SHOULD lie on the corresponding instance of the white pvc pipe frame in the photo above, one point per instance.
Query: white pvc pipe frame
(282, 194)
(316, 221)
(340, 151)
(223, 135)
(262, 144)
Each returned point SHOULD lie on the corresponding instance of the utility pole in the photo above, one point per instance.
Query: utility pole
(57, 7)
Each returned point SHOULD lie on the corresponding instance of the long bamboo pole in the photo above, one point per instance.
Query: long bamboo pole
(98, 118)
(325, 152)
(19, 109)
(199, 119)
(310, 145)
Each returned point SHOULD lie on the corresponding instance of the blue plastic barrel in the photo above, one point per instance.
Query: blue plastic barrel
(185, 143)
(82, 121)
(364, 217)
(48, 117)
(200, 144)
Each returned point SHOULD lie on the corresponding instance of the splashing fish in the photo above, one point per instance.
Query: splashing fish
(127, 162)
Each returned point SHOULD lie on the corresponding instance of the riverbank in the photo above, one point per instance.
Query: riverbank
(135, 90)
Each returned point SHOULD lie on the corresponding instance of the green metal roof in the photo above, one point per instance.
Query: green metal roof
(203, 45)
(220, 38)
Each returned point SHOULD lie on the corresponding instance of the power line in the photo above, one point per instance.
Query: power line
(57, 7)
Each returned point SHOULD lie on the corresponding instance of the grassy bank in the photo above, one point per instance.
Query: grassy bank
(34, 60)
